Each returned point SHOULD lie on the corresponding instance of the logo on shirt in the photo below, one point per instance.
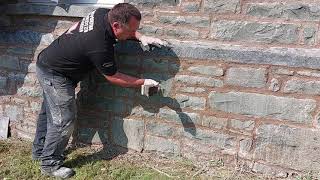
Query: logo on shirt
(86, 24)
(108, 64)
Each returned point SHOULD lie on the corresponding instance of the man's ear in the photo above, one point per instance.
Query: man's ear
(116, 25)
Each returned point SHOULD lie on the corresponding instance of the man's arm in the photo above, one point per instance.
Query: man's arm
(124, 80)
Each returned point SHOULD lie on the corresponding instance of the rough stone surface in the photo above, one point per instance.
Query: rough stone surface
(302, 86)
(255, 32)
(282, 71)
(214, 122)
(161, 145)
(245, 147)
(26, 37)
(182, 33)
(246, 77)
(194, 21)
(269, 170)
(128, 133)
(150, 29)
(219, 140)
(9, 62)
(211, 51)
(303, 11)
(196, 103)
(179, 117)
(196, 80)
(222, 6)
(309, 34)
(15, 113)
(192, 90)
(274, 85)
(190, 7)
(140, 111)
(269, 106)
(152, 3)
(31, 91)
(241, 125)
(162, 129)
(93, 135)
(207, 70)
(286, 146)
(3, 82)
(52, 10)
(313, 73)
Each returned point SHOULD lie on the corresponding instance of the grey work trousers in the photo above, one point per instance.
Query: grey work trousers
(56, 119)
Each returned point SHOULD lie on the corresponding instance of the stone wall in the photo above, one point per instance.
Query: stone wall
(240, 81)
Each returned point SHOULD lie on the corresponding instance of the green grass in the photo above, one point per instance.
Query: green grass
(89, 163)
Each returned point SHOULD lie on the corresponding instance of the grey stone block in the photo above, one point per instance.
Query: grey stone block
(207, 70)
(293, 10)
(179, 117)
(190, 7)
(3, 82)
(288, 147)
(20, 50)
(26, 37)
(212, 51)
(15, 113)
(245, 147)
(309, 35)
(161, 145)
(155, 65)
(209, 137)
(31, 91)
(52, 10)
(139, 111)
(196, 80)
(312, 73)
(222, 6)
(274, 85)
(162, 129)
(246, 77)
(282, 71)
(152, 3)
(214, 122)
(9, 62)
(241, 125)
(93, 135)
(255, 32)
(260, 105)
(182, 33)
(128, 133)
(196, 103)
(4, 127)
(150, 29)
(270, 170)
(302, 86)
(191, 90)
(194, 21)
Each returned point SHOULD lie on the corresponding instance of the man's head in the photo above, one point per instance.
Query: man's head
(125, 20)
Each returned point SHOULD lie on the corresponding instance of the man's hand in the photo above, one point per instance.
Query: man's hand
(150, 83)
(146, 40)
(149, 87)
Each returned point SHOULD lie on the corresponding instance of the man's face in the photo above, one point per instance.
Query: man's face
(128, 31)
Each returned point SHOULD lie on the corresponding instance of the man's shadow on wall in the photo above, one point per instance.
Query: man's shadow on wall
(102, 107)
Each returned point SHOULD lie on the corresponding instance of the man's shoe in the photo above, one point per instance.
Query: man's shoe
(62, 172)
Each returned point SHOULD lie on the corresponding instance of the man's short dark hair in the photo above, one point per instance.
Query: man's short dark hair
(122, 13)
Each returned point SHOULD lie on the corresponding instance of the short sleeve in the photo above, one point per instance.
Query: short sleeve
(104, 62)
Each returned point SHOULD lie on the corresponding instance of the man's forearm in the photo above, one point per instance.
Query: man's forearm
(124, 80)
